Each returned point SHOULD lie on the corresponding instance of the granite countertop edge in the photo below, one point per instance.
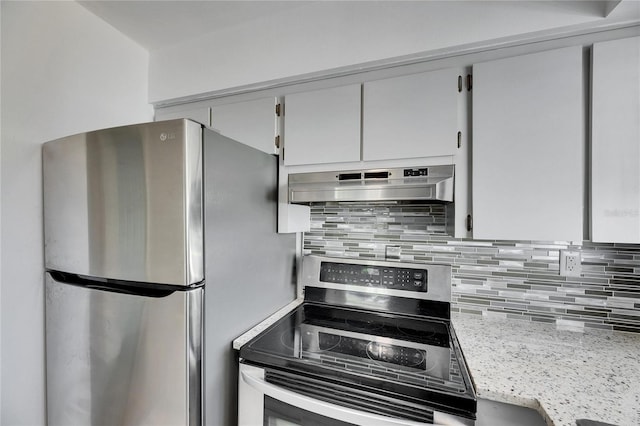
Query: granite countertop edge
(564, 375)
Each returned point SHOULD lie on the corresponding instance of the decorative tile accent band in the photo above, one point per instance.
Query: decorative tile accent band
(514, 279)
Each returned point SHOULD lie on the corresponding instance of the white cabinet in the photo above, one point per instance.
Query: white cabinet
(199, 114)
(251, 122)
(322, 126)
(615, 141)
(528, 147)
(411, 116)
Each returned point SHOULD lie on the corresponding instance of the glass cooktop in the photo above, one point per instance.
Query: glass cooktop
(404, 354)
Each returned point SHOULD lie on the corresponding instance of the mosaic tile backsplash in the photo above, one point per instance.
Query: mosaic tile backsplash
(514, 279)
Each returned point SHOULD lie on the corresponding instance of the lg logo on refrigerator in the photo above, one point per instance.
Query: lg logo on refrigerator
(167, 136)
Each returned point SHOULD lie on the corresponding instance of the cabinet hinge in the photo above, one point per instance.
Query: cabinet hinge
(459, 139)
(277, 141)
(469, 223)
(279, 110)
(459, 83)
(469, 82)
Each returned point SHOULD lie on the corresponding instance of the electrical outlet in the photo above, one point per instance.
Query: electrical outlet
(392, 252)
(570, 263)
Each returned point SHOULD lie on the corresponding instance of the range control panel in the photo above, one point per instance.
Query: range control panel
(374, 276)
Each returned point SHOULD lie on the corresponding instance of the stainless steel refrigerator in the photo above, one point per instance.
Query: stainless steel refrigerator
(160, 249)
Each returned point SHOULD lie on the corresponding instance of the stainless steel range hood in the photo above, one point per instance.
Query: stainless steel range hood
(433, 183)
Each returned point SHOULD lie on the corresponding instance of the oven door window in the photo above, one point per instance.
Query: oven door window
(278, 413)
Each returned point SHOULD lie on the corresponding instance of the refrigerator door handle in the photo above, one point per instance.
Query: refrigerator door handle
(115, 286)
(123, 290)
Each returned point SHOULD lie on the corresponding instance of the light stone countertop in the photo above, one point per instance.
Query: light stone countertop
(564, 375)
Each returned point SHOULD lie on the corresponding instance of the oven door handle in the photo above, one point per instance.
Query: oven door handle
(337, 412)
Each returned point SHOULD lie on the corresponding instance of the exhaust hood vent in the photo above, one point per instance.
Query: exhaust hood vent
(433, 183)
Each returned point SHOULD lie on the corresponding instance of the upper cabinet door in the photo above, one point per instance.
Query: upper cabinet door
(252, 122)
(528, 147)
(322, 126)
(615, 141)
(411, 116)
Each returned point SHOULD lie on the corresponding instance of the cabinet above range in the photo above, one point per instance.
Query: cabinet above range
(406, 117)
(322, 126)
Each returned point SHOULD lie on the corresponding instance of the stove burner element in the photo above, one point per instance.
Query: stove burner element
(329, 342)
(411, 332)
(286, 340)
(300, 342)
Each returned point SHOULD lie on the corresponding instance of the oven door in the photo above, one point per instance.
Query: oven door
(278, 413)
(263, 403)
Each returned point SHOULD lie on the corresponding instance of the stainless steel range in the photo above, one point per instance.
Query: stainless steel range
(372, 344)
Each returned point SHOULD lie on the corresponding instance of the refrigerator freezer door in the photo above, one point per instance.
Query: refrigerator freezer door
(122, 359)
(126, 203)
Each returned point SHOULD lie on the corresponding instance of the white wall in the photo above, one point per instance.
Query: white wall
(0, 216)
(317, 36)
(64, 71)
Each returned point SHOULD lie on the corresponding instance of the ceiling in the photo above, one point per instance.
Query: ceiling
(156, 24)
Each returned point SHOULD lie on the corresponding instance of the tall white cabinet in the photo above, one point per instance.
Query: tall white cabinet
(528, 147)
(615, 141)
